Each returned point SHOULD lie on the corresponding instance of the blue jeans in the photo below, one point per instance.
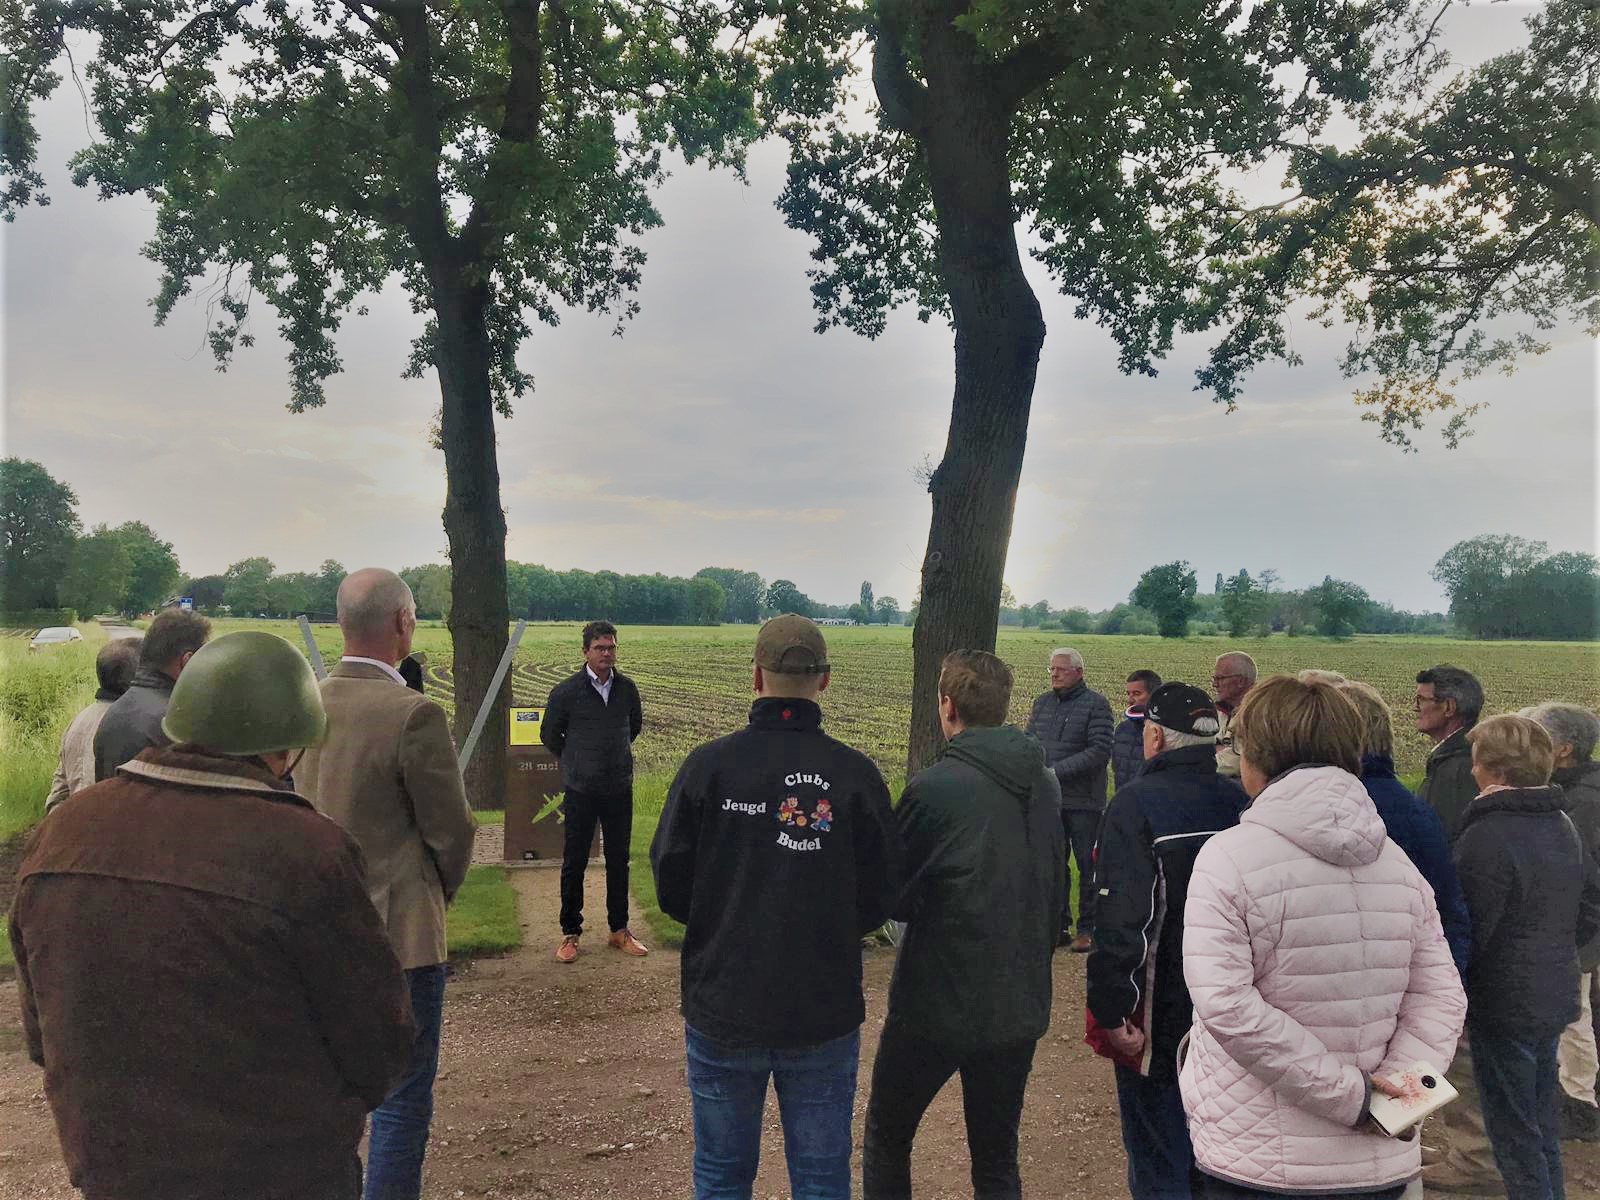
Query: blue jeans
(400, 1124)
(1082, 828)
(816, 1088)
(1155, 1135)
(1521, 1094)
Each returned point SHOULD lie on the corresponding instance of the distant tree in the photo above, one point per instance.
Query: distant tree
(245, 585)
(290, 593)
(888, 610)
(1243, 604)
(1035, 614)
(1476, 574)
(154, 570)
(1008, 598)
(784, 597)
(207, 591)
(38, 522)
(867, 606)
(1077, 620)
(1292, 612)
(1340, 606)
(99, 573)
(744, 592)
(706, 601)
(323, 600)
(430, 587)
(1216, 588)
(1168, 592)
(856, 613)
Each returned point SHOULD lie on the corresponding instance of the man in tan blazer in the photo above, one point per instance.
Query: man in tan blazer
(388, 774)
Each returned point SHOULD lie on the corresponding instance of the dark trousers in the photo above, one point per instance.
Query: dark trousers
(1155, 1135)
(614, 815)
(1220, 1189)
(400, 1124)
(1082, 827)
(907, 1075)
(1521, 1094)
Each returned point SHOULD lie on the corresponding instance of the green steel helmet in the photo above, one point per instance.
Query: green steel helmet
(246, 693)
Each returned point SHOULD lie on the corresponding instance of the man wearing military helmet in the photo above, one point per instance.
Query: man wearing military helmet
(202, 976)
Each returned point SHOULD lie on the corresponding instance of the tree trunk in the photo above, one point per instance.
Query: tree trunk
(475, 525)
(999, 332)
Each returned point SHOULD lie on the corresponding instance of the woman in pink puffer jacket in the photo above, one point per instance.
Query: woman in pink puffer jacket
(1316, 962)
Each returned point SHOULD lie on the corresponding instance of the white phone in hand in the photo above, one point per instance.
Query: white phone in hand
(1426, 1092)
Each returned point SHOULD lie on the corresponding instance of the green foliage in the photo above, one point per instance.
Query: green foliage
(784, 597)
(483, 917)
(1168, 591)
(1243, 604)
(100, 574)
(743, 592)
(246, 587)
(208, 591)
(430, 588)
(888, 610)
(1427, 210)
(38, 522)
(153, 569)
(1502, 586)
(1340, 606)
(40, 693)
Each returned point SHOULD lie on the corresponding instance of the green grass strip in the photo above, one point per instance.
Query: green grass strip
(483, 919)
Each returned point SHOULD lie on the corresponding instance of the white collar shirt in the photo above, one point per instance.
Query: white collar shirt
(386, 668)
(603, 688)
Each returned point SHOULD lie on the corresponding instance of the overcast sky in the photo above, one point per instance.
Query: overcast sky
(721, 431)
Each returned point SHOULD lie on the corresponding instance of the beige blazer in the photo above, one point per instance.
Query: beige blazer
(388, 774)
(75, 770)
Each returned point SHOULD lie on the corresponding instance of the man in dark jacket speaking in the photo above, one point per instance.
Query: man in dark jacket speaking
(1152, 832)
(986, 878)
(777, 850)
(1074, 726)
(590, 724)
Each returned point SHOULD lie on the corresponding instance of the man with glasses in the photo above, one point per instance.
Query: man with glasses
(1074, 726)
(590, 724)
(1231, 678)
(1447, 705)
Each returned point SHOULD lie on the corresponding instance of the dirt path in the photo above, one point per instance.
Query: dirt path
(567, 1081)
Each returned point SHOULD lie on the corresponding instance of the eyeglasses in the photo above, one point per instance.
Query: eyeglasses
(1224, 678)
(1418, 701)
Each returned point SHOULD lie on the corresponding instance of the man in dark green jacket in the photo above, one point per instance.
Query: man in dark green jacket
(986, 871)
(1448, 703)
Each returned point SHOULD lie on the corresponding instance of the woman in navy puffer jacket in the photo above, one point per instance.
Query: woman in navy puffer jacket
(1410, 823)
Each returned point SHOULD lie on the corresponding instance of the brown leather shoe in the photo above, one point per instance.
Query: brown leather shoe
(568, 950)
(1082, 944)
(623, 940)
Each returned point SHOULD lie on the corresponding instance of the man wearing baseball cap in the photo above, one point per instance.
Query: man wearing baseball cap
(1139, 1007)
(777, 851)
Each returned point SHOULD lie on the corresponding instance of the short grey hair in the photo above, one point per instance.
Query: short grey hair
(1175, 739)
(1568, 724)
(368, 600)
(1242, 662)
(1068, 653)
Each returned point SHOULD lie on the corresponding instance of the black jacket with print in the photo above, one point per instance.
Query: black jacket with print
(777, 850)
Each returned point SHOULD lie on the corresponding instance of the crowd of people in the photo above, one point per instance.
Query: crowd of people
(245, 915)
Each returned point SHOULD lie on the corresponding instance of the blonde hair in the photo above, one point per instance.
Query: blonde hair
(1516, 749)
(1375, 717)
(1285, 723)
(1314, 675)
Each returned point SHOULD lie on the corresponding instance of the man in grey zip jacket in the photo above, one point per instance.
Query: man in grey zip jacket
(1075, 728)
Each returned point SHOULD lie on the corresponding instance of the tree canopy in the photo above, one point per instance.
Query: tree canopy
(1503, 586)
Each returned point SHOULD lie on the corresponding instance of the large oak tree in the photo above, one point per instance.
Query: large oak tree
(497, 157)
(1138, 142)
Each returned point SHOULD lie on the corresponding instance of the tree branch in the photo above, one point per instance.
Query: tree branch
(207, 14)
(1028, 68)
(903, 100)
(519, 124)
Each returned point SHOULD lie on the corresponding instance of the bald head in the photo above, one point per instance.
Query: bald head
(376, 615)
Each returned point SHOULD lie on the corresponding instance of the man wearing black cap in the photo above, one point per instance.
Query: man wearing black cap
(1139, 1006)
(777, 850)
